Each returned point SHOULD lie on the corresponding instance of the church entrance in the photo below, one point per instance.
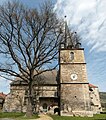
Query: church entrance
(45, 107)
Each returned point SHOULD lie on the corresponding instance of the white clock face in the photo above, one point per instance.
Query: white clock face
(74, 76)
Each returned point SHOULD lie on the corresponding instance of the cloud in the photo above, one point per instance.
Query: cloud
(2, 1)
(88, 18)
(96, 69)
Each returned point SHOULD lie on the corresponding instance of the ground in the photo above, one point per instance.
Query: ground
(54, 117)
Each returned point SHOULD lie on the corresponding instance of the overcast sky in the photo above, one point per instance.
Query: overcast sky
(88, 19)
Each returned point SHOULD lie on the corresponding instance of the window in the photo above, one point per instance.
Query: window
(71, 55)
(26, 92)
(62, 45)
(25, 100)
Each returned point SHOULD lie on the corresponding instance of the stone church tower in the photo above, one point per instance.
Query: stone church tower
(74, 89)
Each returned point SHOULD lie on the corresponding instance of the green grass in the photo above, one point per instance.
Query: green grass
(10, 115)
(21, 116)
(96, 117)
(17, 116)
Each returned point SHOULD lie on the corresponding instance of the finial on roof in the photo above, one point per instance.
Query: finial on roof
(71, 39)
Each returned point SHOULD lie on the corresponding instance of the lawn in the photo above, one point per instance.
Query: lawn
(21, 116)
(96, 117)
(16, 116)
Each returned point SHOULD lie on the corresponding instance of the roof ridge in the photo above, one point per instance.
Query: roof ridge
(91, 85)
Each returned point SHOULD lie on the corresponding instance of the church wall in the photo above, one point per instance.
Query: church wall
(74, 83)
(48, 91)
(67, 70)
(78, 56)
(76, 96)
(95, 100)
(16, 100)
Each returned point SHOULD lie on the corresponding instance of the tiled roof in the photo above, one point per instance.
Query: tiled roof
(2, 95)
(48, 77)
(92, 86)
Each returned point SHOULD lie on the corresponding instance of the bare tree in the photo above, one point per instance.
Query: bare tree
(29, 40)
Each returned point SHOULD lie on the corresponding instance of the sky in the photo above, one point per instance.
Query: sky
(88, 19)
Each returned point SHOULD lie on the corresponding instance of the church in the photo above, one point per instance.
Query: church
(67, 89)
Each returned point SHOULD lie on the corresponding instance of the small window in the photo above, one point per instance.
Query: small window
(25, 100)
(62, 45)
(90, 89)
(71, 55)
(26, 92)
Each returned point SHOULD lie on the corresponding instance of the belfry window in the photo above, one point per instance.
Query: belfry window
(62, 45)
(71, 55)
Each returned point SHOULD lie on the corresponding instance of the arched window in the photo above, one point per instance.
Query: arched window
(45, 107)
(71, 55)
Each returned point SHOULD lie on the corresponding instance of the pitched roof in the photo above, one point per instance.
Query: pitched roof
(48, 77)
(93, 86)
(2, 95)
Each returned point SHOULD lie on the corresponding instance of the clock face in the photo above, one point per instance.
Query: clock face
(74, 76)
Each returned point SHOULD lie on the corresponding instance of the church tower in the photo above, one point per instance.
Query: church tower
(74, 89)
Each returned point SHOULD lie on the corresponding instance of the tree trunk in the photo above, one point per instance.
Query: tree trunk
(29, 111)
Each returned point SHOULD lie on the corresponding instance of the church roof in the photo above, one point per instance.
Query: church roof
(92, 86)
(48, 77)
(2, 95)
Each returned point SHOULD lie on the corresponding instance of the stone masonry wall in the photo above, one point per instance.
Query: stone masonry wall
(75, 96)
(16, 100)
(74, 93)
(67, 70)
(78, 56)
(95, 100)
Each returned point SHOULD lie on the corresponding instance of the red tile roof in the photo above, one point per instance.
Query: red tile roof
(2, 95)
(92, 86)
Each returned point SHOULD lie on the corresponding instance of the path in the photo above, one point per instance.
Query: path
(44, 117)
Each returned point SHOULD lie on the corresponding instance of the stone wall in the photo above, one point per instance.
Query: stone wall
(95, 100)
(78, 56)
(16, 100)
(74, 93)
(67, 70)
(75, 96)
(48, 91)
